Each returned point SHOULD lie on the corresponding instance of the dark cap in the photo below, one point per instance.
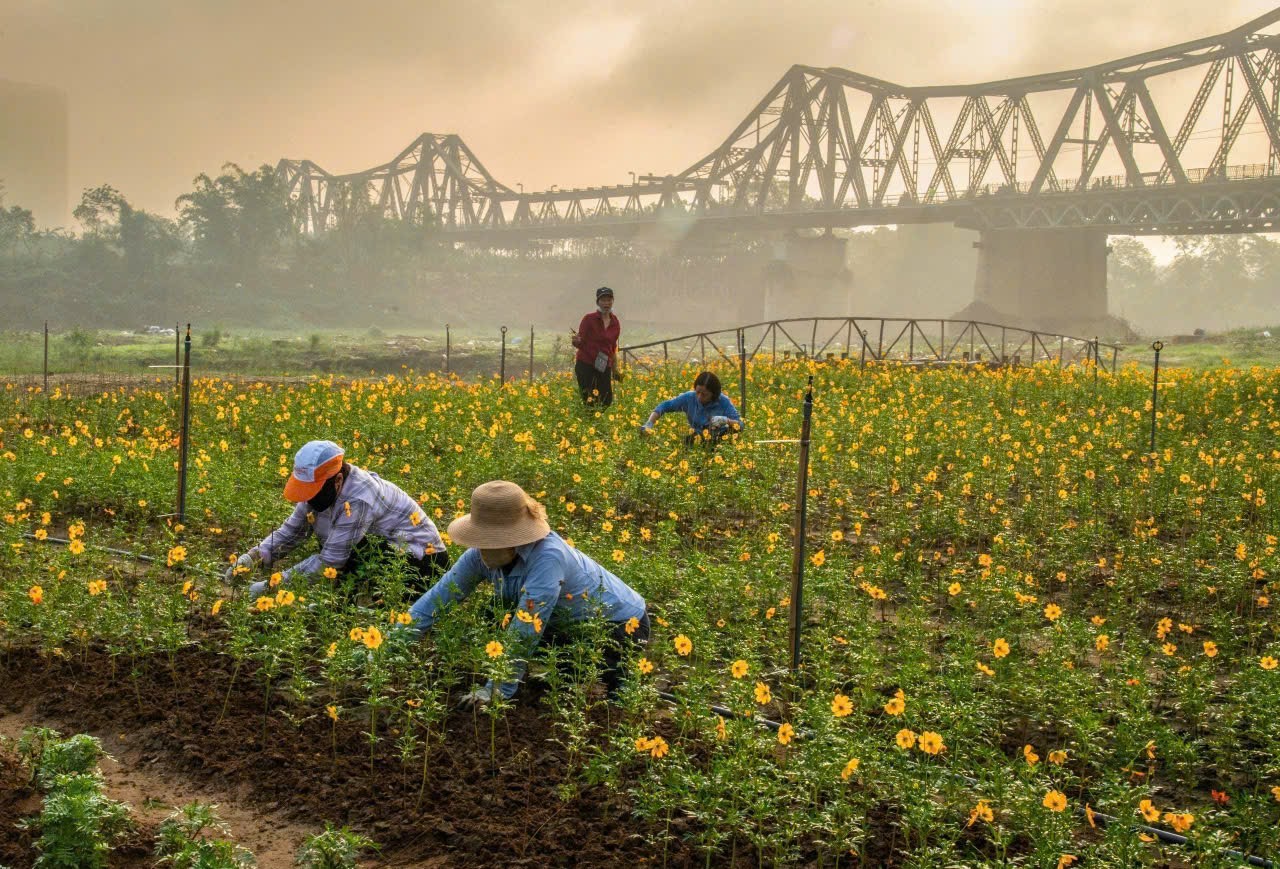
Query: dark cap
(603, 291)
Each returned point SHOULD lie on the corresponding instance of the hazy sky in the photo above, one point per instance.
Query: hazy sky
(573, 93)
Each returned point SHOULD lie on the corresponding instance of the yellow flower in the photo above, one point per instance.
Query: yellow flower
(818, 558)
(217, 607)
(1052, 611)
(850, 768)
(1058, 757)
(1210, 649)
(954, 589)
(493, 649)
(97, 586)
(721, 733)
(618, 555)
(683, 645)
(1066, 860)
(931, 743)
(786, 733)
(331, 573)
(841, 706)
(356, 635)
(1055, 801)
(332, 650)
(332, 712)
(1268, 663)
(645, 665)
(1180, 821)
(36, 593)
(403, 619)
(77, 546)
(1030, 754)
(906, 738)
(897, 705)
(372, 637)
(631, 625)
(738, 669)
(763, 694)
(1000, 648)
(1275, 792)
(276, 579)
(264, 603)
(415, 518)
(983, 668)
(41, 534)
(284, 597)
(1102, 642)
(981, 812)
(1149, 811)
(656, 746)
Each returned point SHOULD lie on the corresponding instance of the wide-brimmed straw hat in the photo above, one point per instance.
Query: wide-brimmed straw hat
(501, 516)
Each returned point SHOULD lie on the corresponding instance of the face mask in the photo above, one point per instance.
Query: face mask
(325, 498)
(603, 311)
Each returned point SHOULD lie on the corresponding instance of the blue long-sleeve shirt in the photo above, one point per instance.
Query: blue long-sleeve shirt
(548, 577)
(699, 414)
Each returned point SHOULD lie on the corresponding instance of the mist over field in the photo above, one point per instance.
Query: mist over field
(174, 116)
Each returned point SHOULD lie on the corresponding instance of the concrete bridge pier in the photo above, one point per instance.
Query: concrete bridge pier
(1043, 278)
(804, 275)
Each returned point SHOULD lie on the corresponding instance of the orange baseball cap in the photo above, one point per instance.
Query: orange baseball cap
(315, 463)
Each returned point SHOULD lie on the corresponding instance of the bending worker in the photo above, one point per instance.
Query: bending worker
(706, 407)
(542, 581)
(355, 514)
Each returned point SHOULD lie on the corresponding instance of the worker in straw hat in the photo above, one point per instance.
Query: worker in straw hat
(355, 514)
(544, 583)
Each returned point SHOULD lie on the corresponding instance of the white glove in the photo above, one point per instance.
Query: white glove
(719, 422)
(244, 564)
(646, 429)
(481, 696)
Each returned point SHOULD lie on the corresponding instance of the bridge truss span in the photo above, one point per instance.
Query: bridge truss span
(1181, 139)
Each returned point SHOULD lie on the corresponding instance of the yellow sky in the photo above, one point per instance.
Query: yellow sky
(572, 92)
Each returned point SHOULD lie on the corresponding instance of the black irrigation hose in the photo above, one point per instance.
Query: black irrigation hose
(1162, 835)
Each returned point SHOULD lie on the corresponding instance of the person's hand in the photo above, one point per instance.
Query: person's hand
(646, 429)
(244, 564)
(576, 340)
(719, 422)
(481, 696)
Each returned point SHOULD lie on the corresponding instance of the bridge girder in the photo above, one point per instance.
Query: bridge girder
(828, 147)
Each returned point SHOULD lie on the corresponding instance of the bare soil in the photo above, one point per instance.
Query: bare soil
(276, 784)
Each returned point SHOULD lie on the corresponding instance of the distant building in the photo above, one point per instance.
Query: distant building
(33, 151)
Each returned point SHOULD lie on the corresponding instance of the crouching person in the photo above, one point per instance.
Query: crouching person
(356, 515)
(542, 581)
(710, 412)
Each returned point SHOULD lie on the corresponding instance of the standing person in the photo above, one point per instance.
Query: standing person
(355, 514)
(707, 408)
(543, 582)
(595, 364)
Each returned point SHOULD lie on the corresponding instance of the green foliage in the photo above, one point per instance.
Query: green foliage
(78, 824)
(188, 839)
(333, 849)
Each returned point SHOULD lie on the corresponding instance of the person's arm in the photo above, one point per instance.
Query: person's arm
(350, 525)
(286, 538)
(538, 598)
(730, 412)
(669, 406)
(455, 585)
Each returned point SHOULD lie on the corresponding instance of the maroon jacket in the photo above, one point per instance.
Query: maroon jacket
(596, 338)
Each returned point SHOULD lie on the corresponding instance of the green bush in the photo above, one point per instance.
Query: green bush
(333, 849)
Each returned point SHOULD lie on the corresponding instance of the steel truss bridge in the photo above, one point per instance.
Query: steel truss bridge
(1184, 139)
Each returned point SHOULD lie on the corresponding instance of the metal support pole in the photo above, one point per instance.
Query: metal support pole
(797, 555)
(447, 346)
(46, 360)
(880, 347)
(531, 353)
(1155, 391)
(813, 340)
(862, 360)
(502, 365)
(1096, 362)
(184, 439)
(742, 373)
(177, 354)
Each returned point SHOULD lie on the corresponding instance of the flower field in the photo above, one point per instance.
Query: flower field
(1017, 621)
